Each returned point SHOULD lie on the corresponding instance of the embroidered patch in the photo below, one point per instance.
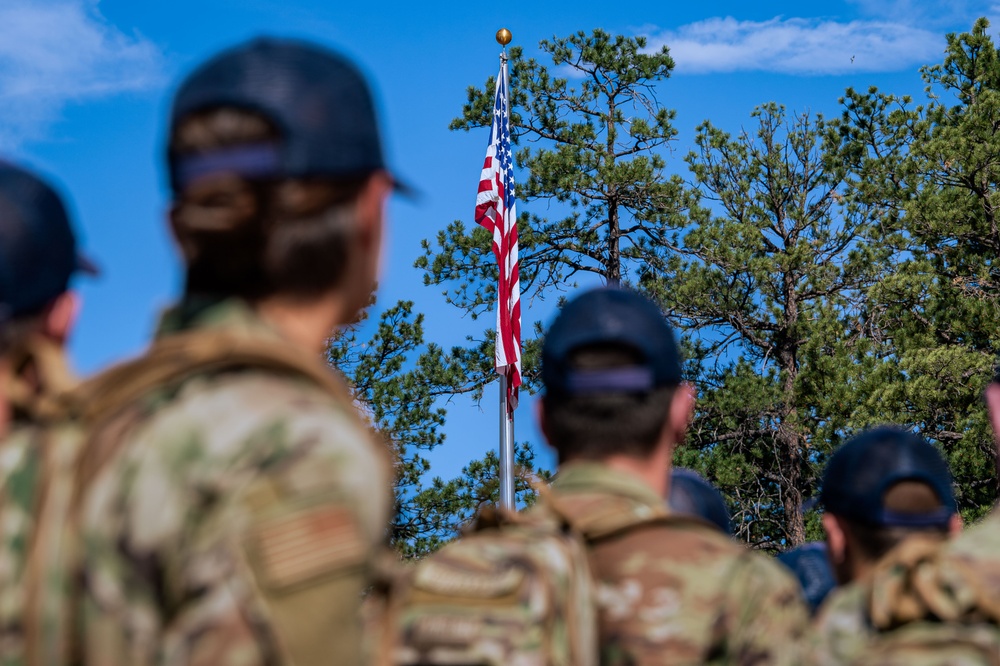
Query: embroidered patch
(295, 548)
(446, 578)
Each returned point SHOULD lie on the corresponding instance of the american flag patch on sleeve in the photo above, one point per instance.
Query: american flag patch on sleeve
(306, 544)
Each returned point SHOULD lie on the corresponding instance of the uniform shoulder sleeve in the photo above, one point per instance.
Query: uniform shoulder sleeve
(766, 618)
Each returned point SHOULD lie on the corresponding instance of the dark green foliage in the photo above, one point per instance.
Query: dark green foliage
(769, 277)
(589, 158)
(934, 171)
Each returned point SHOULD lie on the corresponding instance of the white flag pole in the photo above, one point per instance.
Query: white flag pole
(506, 416)
(506, 449)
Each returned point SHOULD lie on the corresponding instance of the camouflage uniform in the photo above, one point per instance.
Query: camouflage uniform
(31, 453)
(235, 521)
(915, 608)
(673, 590)
(843, 629)
(19, 460)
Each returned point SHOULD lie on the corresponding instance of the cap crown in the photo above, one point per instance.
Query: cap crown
(811, 565)
(692, 495)
(318, 100)
(37, 245)
(861, 471)
(610, 316)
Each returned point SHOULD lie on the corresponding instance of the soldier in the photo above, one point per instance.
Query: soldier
(881, 488)
(692, 495)
(671, 590)
(934, 603)
(38, 257)
(231, 497)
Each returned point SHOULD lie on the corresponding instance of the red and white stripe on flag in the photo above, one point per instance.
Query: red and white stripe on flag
(495, 210)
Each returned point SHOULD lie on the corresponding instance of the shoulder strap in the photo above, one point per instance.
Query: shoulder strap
(179, 357)
(169, 362)
(608, 518)
(45, 397)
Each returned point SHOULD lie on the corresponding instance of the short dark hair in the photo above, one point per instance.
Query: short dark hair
(254, 238)
(594, 426)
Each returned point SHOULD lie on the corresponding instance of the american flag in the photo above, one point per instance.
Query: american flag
(495, 211)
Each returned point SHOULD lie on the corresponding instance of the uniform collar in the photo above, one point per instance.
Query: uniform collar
(203, 313)
(593, 477)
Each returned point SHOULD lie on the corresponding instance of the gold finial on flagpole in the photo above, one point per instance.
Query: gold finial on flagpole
(504, 37)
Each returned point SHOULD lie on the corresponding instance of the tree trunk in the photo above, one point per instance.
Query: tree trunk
(789, 437)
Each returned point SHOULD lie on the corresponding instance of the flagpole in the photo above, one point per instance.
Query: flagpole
(503, 37)
(506, 449)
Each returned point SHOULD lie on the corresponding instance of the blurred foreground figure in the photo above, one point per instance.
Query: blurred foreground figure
(886, 494)
(232, 499)
(692, 495)
(668, 589)
(810, 563)
(38, 256)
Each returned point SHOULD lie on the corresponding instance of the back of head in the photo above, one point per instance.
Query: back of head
(692, 495)
(886, 484)
(610, 366)
(270, 144)
(38, 251)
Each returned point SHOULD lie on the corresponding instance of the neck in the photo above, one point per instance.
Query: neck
(307, 323)
(858, 568)
(653, 470)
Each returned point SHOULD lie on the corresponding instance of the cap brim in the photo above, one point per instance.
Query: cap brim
(403, 188)
(87, 266)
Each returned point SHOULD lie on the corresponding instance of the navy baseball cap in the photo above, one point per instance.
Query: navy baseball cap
(318, 100)
(692, 495)
(38, 250)
(610, 315)
(810, 563)
(861, 471)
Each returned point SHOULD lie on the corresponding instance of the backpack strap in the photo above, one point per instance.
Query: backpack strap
(606, 517)
(178, 357)
(171, 361)
(45, 396)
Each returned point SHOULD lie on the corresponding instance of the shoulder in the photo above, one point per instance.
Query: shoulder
(219, 435)
(230, 412)
(979, 542)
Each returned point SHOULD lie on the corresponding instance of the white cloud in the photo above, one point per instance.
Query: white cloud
(55, 52)
(798, 46)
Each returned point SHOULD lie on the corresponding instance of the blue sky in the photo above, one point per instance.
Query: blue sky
(85, 85)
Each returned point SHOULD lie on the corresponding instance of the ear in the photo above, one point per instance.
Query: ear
(371, 202)
(955, 525)
(681, 412)
(836, 540)
(180, 234)
(61, 316)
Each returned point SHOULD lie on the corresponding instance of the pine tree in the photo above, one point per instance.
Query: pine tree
(934, 171)
(767, 279)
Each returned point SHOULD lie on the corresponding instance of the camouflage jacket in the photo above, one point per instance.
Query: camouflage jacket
(671, 589)
(842, 627)
(914, 609)
(232, 519)
(30, 453)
